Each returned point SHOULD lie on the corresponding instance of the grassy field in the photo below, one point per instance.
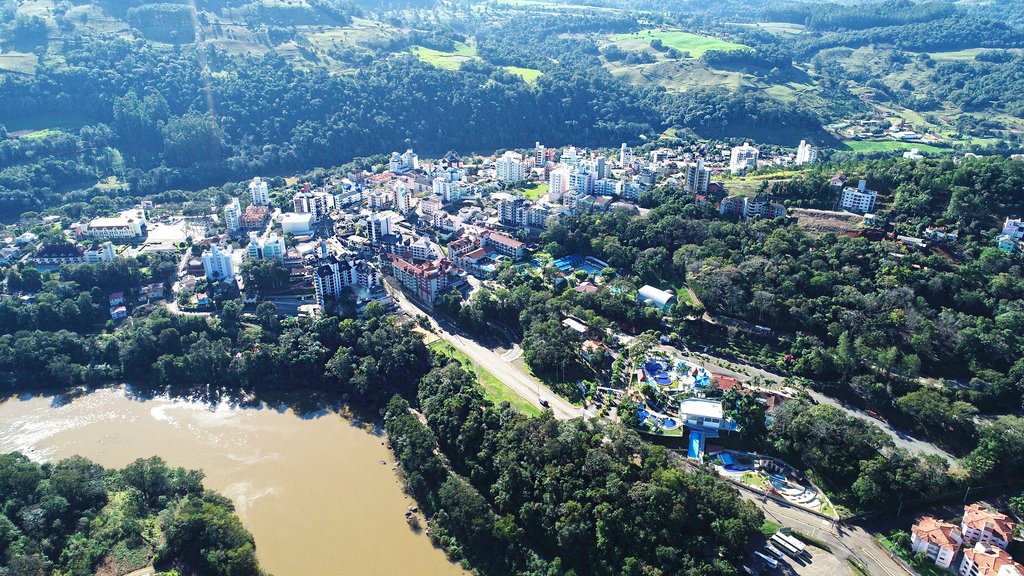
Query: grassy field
(922, 568)
(20, 62)
(868, 147)
(494, 389)
(528, 74)
(682, 41)
(536, 190)
(446, 60)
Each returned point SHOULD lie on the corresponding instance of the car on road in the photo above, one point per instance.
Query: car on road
(543, 402)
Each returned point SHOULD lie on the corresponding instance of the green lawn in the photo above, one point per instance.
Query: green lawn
(494, 389)
(535, 191)
(530, 75)
(769, 528)
(21, 62)
(446, 60)
(891, 146)
(753, 479)
(923, 569)
(682, 41)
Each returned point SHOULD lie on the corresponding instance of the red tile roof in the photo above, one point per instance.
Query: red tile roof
(935, 531)
(976, 517)
(990, 560)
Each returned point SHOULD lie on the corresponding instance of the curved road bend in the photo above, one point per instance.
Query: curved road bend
(902, 438)
(525, 385)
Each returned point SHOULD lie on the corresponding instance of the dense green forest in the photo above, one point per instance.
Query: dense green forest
(74, 517)
(174, 101)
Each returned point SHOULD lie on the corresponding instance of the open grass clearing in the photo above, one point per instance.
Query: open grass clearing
(695, 44)
(868, 147)
(529, 75)
(445, 60)
(535, 191)
(494, 389)
(19, 62)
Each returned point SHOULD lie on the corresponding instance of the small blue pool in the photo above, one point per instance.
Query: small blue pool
(669, 423)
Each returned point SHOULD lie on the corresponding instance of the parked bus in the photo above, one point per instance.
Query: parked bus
(773, 551)
(772, 562)
(800, 546)
(785, 547)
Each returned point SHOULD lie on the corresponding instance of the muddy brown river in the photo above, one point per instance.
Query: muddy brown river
(311, 488)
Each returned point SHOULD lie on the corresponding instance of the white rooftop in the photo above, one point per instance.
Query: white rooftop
(701, 407)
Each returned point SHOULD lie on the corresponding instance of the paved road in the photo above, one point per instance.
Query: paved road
(902, 438)
(525, 385)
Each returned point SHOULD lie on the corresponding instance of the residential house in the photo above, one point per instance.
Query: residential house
(940, 541)
(58, 254)
(117, 298)
(118, 312)
(858, 199)
(988, 527)
(982, 560)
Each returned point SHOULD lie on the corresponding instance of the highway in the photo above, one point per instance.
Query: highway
(523, 384)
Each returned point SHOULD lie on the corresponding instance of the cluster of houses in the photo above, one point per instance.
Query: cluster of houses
(979, 541)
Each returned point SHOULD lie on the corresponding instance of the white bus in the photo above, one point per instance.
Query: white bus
(773, 551)
(800, 546)
(785, 547)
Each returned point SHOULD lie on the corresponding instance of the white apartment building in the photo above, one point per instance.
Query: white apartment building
(570, 156)
(697, 177)
(982, 560)
(581, 182)
(596, 166)
(806, 154)
(272, 246)
(607, 187)
(332, 276)
(982, 525)
(558, 183)
(625, 155)
(443, 187)
(378, 199)
(858, 199)
(940, 541)
(259, 194)
(743, 158)
(512, 168)
(130, 224)
(233, 216)
(317, 204)
(101, 253)
(403, 199)
(217, 263)
(421, 249)
(378, 226)
(402, 163)
(538, 154)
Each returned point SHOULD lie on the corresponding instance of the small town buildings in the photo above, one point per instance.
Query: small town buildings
(331, 276)
(504, 245)
(426, 281)
(704, 414)
(743, 158)
(272, 246)
(116, 298)
(421, 248)
(316, 204)
(748, 207)
(403, 163)
(259, 194)
(858, 199)
(806, 154)
(58, 254)
(1012, 235)
(100, 253)
(982, 560)
(233, 216)
(660, 299)
(697, 177)
(988, 527)
(154, 291)
(625, 155)
(576, 326)
(940, 541)
(379, 225)
(118, 312)
(558, 183)
(130, 224)
(297, 224)
(254, 218)
(217, 263)
(25, 239)
(512, 168)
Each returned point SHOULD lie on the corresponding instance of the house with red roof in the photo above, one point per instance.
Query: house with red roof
(986, 560)
(986, 526)
(940, 541)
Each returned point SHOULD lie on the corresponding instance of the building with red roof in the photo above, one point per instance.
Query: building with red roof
(984, 560)
(982, 525)
(940, 541)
